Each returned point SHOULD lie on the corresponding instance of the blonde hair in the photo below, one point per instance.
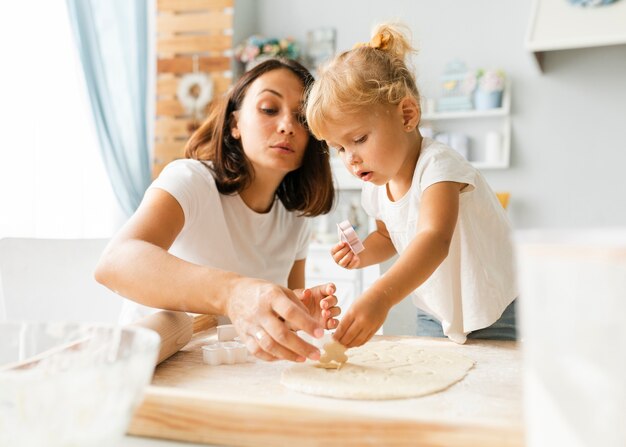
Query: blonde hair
(369, 74)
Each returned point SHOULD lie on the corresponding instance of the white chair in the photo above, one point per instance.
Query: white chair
(52, 280)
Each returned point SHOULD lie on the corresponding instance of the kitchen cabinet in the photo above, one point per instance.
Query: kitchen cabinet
(559, 25)
(480, 126)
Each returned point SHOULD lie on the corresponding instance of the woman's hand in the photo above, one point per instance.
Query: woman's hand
(344, 256)
(321, 303)
(263, 314)
(361, 321)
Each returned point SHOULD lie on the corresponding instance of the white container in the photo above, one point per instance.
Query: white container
(493, 147)
(573, 328)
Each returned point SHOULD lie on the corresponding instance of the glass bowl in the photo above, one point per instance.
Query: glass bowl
(65, 384)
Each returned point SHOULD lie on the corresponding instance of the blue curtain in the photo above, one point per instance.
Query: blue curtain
(112, 39)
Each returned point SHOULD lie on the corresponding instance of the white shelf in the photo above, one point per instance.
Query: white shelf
(498, 119)
(436, 116)
(487, 165)
(557, 25)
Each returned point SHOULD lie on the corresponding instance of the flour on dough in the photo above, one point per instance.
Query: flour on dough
(381, 370)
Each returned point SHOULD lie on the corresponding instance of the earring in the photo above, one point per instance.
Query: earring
(407, 127)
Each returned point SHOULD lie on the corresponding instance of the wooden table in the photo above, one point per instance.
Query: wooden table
(245, 405)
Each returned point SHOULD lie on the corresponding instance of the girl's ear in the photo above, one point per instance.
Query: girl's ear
(411, 113)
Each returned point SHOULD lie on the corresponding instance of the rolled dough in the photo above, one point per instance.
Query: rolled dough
(381, 370)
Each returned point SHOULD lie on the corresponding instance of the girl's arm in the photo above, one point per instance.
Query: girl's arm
(437, 220)
(378, 248)
(137, 265)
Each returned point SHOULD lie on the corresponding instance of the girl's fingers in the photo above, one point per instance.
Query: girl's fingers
(351, 335)
(346, 259)
(362, 338)
(354, 262)
(341, 253)
(343, 327)
(337, 247)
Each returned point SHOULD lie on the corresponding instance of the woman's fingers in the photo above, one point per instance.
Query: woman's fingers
(280, 342)
(256, 350)
(330, 288)
(331, 313)
(298, 317)
(329, 302)
(332, 323)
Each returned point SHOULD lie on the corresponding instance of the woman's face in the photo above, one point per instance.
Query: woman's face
(269, 122)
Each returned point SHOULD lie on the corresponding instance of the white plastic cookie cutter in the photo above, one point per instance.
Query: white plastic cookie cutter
(226, 349)
(348, 235)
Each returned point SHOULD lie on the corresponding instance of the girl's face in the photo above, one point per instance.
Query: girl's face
(372, 143)
(269, 122)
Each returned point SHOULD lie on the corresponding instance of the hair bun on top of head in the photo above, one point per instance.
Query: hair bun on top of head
(380, 41)
(392, 38)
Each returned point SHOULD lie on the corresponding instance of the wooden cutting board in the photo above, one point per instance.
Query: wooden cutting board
(245, 405)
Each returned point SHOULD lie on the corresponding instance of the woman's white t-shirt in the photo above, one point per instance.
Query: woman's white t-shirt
(476, 282)
(220, 230)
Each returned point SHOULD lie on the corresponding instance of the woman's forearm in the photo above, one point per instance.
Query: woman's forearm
(149, 275)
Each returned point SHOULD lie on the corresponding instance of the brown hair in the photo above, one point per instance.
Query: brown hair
(309, 189)
(369, 74)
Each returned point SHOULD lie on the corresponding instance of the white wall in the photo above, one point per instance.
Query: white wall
(569, 143)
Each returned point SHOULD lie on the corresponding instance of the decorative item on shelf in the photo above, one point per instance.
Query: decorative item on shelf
(256, 49)
(195, 91)
(488, 94)
(320, 46)
(457, 86)
(586, 3)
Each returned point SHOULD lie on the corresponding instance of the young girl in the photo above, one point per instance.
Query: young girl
(431, 206)
(224, 230)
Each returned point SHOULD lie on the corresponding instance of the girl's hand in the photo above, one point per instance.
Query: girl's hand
(344, 256)
(321, 303)
(264, 314)
(361, 321)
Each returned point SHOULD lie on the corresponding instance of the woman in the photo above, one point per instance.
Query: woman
(224, 231)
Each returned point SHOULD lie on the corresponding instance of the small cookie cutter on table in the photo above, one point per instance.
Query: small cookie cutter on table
(226, 349)
(348, 235)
